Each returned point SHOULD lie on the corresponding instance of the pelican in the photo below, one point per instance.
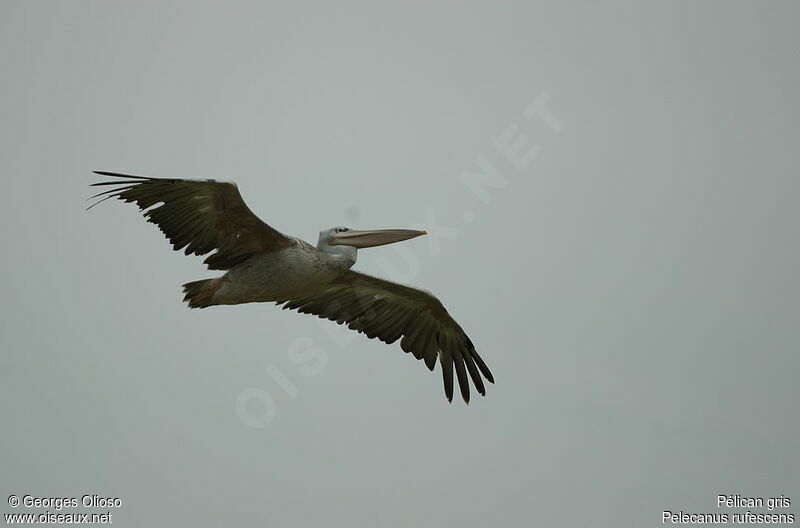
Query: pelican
(262, 264)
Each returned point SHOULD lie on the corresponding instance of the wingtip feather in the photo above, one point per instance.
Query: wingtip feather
(119, 175)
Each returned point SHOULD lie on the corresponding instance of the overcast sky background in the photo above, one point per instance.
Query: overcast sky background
(633, 286)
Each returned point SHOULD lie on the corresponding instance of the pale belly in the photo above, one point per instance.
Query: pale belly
(277, 276)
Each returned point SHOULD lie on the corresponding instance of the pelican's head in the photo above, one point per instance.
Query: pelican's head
(343, 240)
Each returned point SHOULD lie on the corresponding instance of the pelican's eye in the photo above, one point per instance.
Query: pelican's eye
(341, 229)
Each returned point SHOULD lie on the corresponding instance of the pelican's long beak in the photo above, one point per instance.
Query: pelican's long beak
(377, 237)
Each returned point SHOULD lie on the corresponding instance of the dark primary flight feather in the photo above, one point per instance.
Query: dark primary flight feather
(200, 215)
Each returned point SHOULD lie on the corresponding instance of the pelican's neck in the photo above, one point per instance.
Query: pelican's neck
(345, 255)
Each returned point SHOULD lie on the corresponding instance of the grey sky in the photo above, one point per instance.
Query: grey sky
(633, 286)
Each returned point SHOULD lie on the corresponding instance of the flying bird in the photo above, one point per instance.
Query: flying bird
(264, 265)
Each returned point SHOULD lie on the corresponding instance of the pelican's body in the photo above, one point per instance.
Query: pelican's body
(273, 276)
(264, 265)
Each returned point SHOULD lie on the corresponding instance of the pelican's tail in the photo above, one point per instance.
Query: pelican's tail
(199, 294)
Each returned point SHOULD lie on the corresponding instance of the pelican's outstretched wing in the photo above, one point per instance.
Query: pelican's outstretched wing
(388, 311)
(202, 215)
